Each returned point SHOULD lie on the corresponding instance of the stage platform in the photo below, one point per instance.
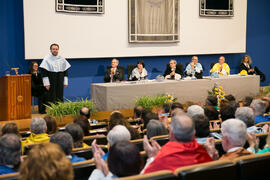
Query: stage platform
(24, 124)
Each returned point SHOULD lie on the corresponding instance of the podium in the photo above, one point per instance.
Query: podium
(15, 97)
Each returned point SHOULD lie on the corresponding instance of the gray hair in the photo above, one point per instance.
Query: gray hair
(235, 130)
(155, 128)
(245, 114)
(195, 110)
(64, 140)
(259, 106)
(38, 126)
(10, 149)
(183, 128)
(118, 133)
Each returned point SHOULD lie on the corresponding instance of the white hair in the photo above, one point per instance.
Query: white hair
(38, 126)
(259, 106)
(245, 114)
(195, 110)
(235, 130)
(118, 133)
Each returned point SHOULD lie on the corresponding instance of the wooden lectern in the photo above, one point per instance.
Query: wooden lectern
(15, 97)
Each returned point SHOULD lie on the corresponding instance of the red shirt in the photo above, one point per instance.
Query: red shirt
(175, 154)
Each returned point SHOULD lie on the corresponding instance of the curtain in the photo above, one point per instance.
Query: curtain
(155, 16)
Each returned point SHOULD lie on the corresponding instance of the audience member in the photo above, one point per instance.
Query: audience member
(38, 134)
(10, 152)
(266, 147)
(117, 118)
(76, 133)
(234, 132)
(201, 128)
(259, 108)
(10, 128)
(65, 141)
(124, 160)
(195, 110)
(84, 111)
(46, 161)
(211, 101)
(247, 101)
(84, 123)
(181, 150)
(246, 114)
(137, 113)
(155, 128)
(176, 105)
(227, 111)
(211, 112)
(230, 98)
(147, 115)
(51, 124)
(117, 134)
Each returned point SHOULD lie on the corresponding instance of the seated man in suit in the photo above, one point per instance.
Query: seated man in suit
(194, 68)
(173, 71)
(221, 67)
(114, 73)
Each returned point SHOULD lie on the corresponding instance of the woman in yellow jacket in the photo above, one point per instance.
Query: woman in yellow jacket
(221, 67)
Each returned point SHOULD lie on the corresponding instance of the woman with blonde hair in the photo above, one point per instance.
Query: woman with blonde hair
(46, 161)
(245, 68)
(246, 65)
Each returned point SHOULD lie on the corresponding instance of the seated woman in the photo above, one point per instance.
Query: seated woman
(221, 68)
(37, 88)
(246, 68)
(246, 65)
(123, 160)
(138, 73)
(194, 68)
(173, 71)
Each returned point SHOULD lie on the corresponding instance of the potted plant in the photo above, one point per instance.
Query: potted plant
(70, 109)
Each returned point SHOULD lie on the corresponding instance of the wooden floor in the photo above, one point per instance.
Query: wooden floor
(24, 124)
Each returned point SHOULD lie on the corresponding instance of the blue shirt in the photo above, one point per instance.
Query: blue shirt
(260, 118)
(105, 156)
(75, 159)
(6, 170)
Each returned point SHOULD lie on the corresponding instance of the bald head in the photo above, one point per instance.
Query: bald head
(182, 128)
(85, 112)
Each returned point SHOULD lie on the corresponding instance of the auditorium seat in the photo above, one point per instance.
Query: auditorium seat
(12, 176)
(221, 170)
(130, 68)
(101, 139)
(82, 170)
(138, 143)
(262, 124)
(253, 166)
(159, 175)
(86, 152)
(161, 140)
(98, 125)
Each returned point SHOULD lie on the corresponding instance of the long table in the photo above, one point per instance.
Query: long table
(114, 96)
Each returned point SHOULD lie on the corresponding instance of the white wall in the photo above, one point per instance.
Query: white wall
(92, 36)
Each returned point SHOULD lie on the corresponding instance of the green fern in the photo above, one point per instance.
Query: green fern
(70, 108)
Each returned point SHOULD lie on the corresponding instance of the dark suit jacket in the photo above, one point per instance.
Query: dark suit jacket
(119, 75)
(178, 70)
(243, 67)
(256, 71)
